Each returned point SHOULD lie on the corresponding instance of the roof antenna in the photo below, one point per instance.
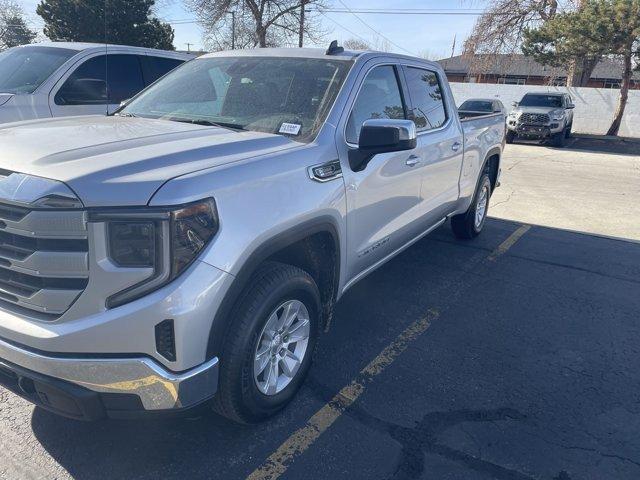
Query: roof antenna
(334, 49)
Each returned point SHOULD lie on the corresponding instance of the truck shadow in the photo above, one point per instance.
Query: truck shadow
(391, 298)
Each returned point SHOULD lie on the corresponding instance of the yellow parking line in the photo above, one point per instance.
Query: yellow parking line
(302, 439)
(509, 242)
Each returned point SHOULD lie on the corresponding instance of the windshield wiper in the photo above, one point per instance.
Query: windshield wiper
(125, 114)
(201, 121)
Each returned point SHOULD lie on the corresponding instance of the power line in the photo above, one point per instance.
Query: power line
(374, 30)
(343, 27)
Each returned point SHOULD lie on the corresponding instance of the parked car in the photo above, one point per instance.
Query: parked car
(542, 116)
(192, 246)
(476, 107)
(60, 79)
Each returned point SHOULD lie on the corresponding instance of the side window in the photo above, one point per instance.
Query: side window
(124, 77)
(155, 67)
(379, 97)
(87, 85)
(426, 96)
(102, 80)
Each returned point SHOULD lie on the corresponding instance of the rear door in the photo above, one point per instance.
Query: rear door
(383, 200)
(440, 141)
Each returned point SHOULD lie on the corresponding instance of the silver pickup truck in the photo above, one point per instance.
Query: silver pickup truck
(188, 250)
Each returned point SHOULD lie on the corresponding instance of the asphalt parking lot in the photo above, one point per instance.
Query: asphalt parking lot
(514, 356)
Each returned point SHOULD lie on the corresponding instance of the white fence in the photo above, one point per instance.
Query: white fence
(594, 106)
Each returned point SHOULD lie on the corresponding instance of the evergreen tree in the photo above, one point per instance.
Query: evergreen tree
(599, 28)
(14, 30)
(126, 22)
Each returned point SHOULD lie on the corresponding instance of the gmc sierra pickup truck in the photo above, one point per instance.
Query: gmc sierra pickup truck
(188, 249)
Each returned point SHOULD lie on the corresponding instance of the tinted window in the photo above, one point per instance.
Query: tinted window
(87, 85)
(23, 69)
(155, 67)
(124, 77)
(426, 96)
(477, 106)
(379, 97)
(540, 100)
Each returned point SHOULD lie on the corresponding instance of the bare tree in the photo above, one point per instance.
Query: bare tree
(501, 29)
(257, 23)
(356, 44)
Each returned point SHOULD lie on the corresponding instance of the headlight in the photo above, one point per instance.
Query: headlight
(165, 241)
(557, 115)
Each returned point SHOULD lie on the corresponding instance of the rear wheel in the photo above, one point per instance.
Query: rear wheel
(267, 352)
(469, 224)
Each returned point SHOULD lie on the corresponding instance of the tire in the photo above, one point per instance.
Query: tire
(510, 136)
(567, 132)
(465, 226)
(557, 140)
(272, 288)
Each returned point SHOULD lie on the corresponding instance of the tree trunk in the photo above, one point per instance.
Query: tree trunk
(261, 33)
(624, 94)
(580, 70)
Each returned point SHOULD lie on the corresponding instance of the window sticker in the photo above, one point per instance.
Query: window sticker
(290, 128)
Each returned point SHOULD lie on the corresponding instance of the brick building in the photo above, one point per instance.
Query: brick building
(522, 70)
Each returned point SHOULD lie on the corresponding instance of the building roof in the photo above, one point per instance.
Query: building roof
(519, 65)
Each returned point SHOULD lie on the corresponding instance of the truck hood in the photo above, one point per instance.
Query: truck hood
(109, 161)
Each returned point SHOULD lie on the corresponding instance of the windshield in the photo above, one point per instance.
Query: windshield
(290, 96)
(476, 106)
(554, 101)
(23, 69)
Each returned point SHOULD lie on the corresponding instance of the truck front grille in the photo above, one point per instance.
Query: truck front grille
(534, 118)
(44, 264)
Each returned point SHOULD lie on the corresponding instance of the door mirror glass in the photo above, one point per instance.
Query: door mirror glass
(382, 136)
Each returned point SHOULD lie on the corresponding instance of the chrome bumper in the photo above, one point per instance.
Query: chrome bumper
(157, 388)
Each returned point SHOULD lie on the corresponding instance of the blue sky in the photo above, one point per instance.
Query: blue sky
(418, 34)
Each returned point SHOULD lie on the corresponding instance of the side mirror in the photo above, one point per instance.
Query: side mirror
(571, 106)
(84, 91)
(515, 104)
(382, 136)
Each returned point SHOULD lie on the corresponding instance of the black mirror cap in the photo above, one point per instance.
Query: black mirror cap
(382, 136)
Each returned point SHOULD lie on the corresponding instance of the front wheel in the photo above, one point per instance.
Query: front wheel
(268, 350)
(510, 136)
(469, 224)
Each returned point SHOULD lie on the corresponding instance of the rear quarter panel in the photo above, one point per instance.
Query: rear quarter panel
(483, 136)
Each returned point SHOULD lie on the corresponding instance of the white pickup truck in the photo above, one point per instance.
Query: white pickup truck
(61, 79)
(188, 249)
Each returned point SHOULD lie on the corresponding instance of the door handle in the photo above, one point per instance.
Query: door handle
(412, 161)
(456, 146)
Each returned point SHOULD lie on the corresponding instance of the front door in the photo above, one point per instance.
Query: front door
(383, 200)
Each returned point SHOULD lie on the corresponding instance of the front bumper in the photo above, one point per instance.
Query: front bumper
(534, 131)
(92, 388)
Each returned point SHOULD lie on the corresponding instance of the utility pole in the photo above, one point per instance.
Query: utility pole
(188, 46)
(453, 47)
(301, 32)
(233, 29)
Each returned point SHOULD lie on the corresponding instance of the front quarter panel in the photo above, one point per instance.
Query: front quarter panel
(261, 198)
